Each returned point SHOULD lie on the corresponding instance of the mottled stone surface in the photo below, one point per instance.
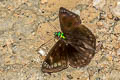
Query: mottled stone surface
(24, 28)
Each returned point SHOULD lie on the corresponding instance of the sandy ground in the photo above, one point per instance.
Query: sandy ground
(24, 28)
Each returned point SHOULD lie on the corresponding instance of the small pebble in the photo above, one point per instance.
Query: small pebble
(116, 10)
(118, 51)
(110, 16)
(99, 23)
(116, 19)
(69, 76)
(44, 1)
(99, 4)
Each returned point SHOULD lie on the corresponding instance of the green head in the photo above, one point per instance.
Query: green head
(59, 35)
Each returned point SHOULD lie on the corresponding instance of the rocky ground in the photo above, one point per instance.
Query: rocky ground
(24, 28)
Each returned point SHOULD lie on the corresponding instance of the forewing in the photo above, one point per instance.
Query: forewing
(68, 20)
(57, 58)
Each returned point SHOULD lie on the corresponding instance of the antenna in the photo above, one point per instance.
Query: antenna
(52, 25)
(52, 38)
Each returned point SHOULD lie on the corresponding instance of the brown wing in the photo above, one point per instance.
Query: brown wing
(68, 20)
(76, 58)
(84, 42)
(57, 58)
(81, 36)
(81, 39)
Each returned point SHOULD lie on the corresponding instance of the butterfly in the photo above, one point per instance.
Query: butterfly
(76, 45)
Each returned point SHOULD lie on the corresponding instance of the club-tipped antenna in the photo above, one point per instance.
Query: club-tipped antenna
(52, 26)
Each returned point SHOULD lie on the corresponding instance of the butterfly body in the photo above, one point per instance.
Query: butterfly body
(76, 49)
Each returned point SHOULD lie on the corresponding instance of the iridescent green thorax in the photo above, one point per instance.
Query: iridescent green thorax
(60, 35)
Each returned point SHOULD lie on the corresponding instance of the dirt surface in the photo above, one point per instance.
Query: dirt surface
(24, 28)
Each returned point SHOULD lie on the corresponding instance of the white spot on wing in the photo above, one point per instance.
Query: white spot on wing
(90, 55)
(59, 45)
(42, 52)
